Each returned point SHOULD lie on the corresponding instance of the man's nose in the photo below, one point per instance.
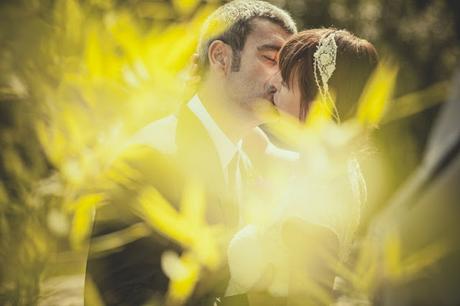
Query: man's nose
(275, 81)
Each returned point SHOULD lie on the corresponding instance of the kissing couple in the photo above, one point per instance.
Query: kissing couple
(249, 54)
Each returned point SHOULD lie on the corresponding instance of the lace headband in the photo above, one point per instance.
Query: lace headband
(324, 63)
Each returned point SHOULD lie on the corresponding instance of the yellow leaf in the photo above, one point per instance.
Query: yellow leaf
(120, 238)
(424, 258)
(183, 273)
(374, 101)
(415, 102)
(84, 209)
(321, 111)
(156, 210)
(86, 201)
(81, 226)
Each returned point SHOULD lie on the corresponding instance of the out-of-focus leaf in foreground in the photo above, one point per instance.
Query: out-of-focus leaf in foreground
(78, 78)
(188, 227)
(377, 94)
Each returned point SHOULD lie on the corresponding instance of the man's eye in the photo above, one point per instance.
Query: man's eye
(270, 59)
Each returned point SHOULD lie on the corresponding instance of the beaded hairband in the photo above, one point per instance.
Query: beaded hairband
(324, 63)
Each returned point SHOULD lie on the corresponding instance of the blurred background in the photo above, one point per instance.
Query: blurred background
(78, 77)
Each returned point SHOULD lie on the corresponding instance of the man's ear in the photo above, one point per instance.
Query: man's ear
(220, 54)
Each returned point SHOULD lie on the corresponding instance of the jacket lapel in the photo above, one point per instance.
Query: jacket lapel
(199, 159)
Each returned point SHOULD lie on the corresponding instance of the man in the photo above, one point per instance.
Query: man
(237, 60)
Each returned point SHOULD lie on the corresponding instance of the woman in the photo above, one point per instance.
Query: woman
(326, 63)
(342, 65)
(335, 66)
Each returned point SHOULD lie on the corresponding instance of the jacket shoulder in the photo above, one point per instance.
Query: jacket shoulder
(160, 135)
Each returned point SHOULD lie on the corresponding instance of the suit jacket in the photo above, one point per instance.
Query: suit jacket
(163, 154)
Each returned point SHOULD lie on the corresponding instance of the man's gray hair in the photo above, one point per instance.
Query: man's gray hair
(231, 24)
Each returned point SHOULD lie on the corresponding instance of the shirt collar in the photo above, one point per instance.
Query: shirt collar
(226, 149)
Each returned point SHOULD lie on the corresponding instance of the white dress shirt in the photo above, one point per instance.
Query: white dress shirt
(226, 149)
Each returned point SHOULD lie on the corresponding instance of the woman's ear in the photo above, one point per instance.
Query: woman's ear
(219, 54)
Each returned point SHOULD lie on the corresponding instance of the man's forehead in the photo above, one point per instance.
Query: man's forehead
(267, 35)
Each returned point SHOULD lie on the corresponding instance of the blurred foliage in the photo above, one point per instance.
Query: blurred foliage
(79, 77)
(76, 79)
